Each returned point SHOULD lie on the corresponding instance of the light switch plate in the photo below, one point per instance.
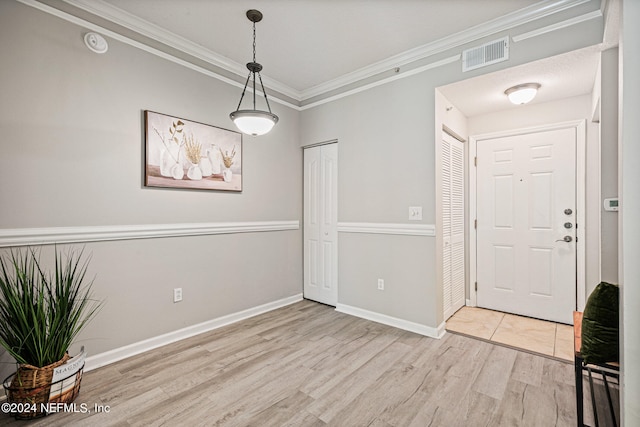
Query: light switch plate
(611, 204)
(415, 213)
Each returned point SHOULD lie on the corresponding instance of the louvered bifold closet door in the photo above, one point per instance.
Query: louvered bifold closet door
(452, 224)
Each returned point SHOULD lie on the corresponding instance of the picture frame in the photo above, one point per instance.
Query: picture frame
(181, 153)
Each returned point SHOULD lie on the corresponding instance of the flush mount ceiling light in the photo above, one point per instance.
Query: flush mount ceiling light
(521, 94)
(254, 122)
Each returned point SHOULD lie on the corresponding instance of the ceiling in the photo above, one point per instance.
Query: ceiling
(310, 47)
(562, 76)
(305, 43)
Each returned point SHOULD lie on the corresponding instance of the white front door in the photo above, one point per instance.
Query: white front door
(320, 224)
(526, 208)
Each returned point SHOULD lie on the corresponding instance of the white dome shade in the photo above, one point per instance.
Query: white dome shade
(253, 122)
(522, 94)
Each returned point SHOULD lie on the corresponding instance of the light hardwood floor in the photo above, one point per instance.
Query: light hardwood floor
(308, 365)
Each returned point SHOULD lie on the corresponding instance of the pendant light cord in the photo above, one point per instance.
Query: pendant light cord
(265, 93)
(254, 42)
(259, 75)
(253, 73)
(254, 60)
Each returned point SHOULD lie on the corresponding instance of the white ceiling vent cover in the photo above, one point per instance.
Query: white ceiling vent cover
(487, 54)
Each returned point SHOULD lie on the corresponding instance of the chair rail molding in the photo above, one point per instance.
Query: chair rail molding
(387, 228)
(51, 235)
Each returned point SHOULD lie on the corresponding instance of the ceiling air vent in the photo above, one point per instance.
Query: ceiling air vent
(487, 54)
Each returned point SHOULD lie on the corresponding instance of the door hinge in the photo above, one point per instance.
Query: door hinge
(476, 286)
(475, 161)
(475, 224)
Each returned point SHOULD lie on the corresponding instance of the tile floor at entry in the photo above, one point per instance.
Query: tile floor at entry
(537, 336)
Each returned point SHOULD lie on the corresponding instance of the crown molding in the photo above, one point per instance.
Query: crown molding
(564, 24)
(147, 29)
(144, 47)
(485, 29)
(381, 82)
(127, 20)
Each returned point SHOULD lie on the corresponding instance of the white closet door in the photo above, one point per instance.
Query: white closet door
(320, 224)
(452, 179)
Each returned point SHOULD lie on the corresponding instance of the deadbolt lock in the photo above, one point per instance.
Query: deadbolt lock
(568, 225)
(568, 211)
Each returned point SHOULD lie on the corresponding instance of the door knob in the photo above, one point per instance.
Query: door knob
(565, 239)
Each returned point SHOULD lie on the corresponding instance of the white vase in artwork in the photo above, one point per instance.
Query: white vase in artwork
(205, 166)
(177, 172)
(227, 175)
(168, 158)
(215, 158)
(194, 173)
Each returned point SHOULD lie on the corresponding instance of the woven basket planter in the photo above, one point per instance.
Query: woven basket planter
(30, 389)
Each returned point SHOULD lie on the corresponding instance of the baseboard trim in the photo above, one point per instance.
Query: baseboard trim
(393, 321)
(112, 356)
(52, 235)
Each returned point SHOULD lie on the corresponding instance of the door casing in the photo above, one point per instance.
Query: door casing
(580, 127)
(320, 236)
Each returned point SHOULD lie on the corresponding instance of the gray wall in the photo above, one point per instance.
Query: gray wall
(386, 140)
(609, 162)
(72, 155)
(629, 151)
(381, 173)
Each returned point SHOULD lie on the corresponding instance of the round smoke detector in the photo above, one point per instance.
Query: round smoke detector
(96, 42)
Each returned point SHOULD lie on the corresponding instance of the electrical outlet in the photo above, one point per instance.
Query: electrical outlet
(177, 294)
(415, 213)
(381, 284)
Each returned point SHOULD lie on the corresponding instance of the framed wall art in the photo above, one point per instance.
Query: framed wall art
(181, 153)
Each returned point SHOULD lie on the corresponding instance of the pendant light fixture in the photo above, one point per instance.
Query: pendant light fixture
(521, 94)
(254, 122)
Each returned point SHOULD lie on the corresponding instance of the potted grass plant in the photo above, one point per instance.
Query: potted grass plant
(41, 313)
